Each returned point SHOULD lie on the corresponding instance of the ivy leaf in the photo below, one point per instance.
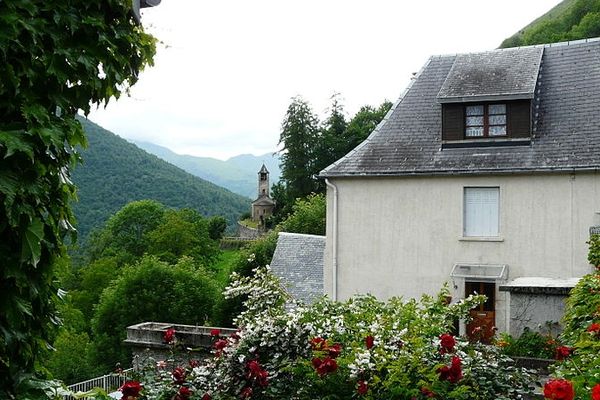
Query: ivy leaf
(32, 243)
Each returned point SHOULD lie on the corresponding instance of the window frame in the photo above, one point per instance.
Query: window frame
(486, 121)
(494, 236)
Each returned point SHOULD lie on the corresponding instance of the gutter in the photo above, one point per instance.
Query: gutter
(334, 240)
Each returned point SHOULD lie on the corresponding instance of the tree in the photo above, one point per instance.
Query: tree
(55, 58)
(299, 137)
(364, 122)
(150, 290)
(308, 216)
(216, 227)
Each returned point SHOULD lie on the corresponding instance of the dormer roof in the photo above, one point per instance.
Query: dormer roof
(506, 74)
(565, 134)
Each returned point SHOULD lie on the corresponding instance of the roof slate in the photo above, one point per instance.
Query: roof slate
(566, 134)
(298, 262)
(493, 75)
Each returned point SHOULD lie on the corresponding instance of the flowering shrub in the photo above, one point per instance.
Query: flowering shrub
(361, 348)
(580, 363)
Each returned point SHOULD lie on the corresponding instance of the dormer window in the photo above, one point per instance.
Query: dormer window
(485, 120)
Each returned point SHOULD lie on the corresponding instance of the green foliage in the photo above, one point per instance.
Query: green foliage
(308, 216)
(594, 250)
(150, 290)
(529, 344)
(55, 59)
(570, 20)
(68, 362)
(115, 172)
(216, 227)
(364, 122)
(582, 307)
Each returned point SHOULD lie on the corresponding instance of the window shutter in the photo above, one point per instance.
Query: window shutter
(453, 121)
(519, 119)
(481, 211)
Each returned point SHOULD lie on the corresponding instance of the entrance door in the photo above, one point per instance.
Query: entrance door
(482, 326)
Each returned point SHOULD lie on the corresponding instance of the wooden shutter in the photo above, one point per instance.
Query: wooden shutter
(519, 119)
(453, 121)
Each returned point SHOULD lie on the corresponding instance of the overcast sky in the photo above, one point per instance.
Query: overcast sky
(227, 69)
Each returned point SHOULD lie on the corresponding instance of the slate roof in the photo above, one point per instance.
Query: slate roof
(566, 124)
(493, 75)
(298, 262)
(263, 200)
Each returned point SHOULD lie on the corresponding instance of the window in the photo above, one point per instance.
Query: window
(485, 120)
(481, 214)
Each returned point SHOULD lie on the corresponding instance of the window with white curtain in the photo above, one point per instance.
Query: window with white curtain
(481, 211)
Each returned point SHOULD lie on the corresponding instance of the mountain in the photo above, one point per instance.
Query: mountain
(115, 172)
(569, 20)
(238, 174)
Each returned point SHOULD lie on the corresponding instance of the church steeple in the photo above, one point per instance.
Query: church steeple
(263, 182)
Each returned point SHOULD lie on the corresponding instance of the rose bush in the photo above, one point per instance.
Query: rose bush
(361, 348)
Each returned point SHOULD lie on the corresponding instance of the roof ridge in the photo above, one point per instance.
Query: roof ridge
(543, 45)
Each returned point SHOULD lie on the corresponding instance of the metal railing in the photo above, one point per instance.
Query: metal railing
(108, 383)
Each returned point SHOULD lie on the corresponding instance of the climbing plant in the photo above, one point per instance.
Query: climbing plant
(56, 58)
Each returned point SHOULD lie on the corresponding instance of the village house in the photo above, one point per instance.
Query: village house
(484, 175)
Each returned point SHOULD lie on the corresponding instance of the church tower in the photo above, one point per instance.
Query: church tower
(262, 207)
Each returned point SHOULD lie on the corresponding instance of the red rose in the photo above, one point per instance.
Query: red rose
(594, 328)
(184, 393)
(257, 373)
(369, 342)
(325, 366)
(452, 374)
(169, 335)
(235, 336)
(131, 390)
(335, 350)
(194, 363)
(362, 388)
(206, 397)
(427, 392)
(447, 343)
(596, 392)
(246, 393)
(178, 375)
(562, 352)
(220, 344)
(215, 332)
(318, 343)
(559, 389)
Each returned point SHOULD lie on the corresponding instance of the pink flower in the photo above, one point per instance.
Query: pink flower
(447, 343)
(369, 342)
(215, 332)
(562, 352)
(596, 392)
(169, 335)
(452, 374)
(559, 389)
(131, 390)
(362, 388)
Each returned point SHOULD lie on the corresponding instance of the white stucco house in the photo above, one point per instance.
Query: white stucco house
(484, 174)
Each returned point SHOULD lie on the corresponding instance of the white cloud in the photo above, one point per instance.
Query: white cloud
(227, 69)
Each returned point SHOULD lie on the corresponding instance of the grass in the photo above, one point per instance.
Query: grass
(249, 223)
(224, 266)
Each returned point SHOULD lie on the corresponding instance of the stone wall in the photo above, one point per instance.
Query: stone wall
(538, 312)
(247, 232)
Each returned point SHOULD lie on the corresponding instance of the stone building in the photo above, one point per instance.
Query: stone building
(262, 207)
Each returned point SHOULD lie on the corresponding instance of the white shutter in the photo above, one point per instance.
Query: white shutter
(481, 211)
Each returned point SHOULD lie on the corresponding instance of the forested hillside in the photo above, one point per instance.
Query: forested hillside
(569, 20)
(237, 174)
(115, 172)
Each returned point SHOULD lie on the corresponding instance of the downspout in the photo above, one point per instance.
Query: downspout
(334, 240)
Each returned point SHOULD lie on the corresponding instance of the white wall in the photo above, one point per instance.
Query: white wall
(402, 236)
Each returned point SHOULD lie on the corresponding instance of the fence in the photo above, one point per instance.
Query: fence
(109, 383)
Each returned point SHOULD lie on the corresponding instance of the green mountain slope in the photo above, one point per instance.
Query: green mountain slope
(569, 20)
(115, 172)
(237, 174)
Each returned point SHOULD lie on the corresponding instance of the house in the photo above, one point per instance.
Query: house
(485, 175)
(263, 206)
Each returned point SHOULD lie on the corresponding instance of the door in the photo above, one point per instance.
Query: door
(483, 325)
